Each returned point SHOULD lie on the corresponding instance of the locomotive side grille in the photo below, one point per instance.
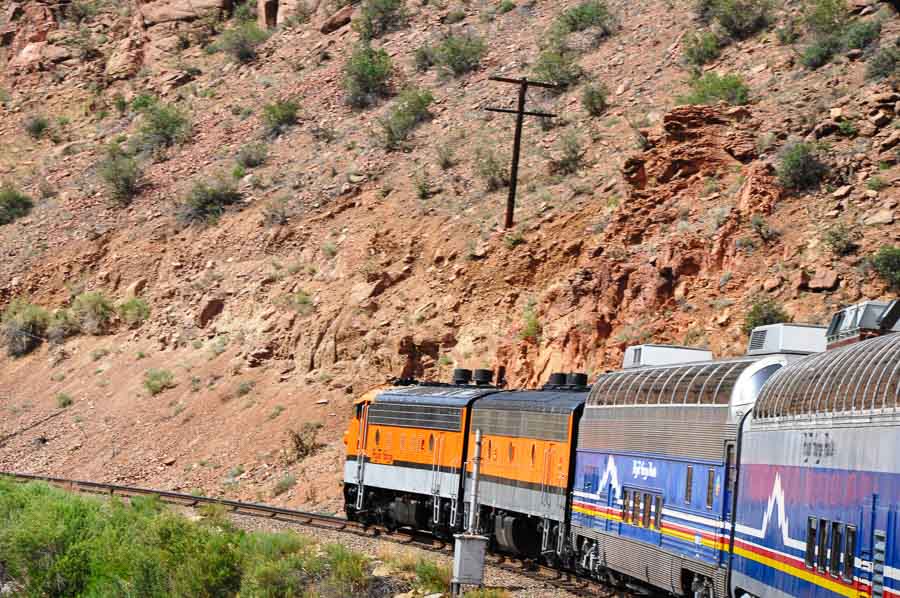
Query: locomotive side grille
(674, 432)
(521, 424)
(416, 416)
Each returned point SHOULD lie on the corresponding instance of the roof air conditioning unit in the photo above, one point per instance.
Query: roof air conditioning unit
(799, 339)
(641, 355)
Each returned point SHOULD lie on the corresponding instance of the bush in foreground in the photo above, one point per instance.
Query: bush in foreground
(593, 98)
(742, 18)
(94, 312)
(459, 54)
(883, 64)
(764, 311)
(887, 263)
(701, 47)
(711, 88)
(279, 116)
(800, 167)
(206, 202)
(377, 17)
(163, 126)
(366, 75)
(241, 42)
(156, 381)
(410, 109)
(57, 544)
(13, 203)
(121, 174)
(134, 311)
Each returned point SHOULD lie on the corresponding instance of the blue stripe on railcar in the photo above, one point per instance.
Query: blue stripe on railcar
(775, 504)
(687, 525)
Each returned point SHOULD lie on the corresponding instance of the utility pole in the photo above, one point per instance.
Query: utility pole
(520, 113)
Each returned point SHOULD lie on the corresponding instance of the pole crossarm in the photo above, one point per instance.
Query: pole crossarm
(520, 113)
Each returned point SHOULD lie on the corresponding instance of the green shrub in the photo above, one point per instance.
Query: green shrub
(22, 327)
(587, 14)
(711, 88)
(861, 34)
(13, 204)
(409, 110)
(875, 183)
(377, 17)
(887, 263)
(459, 54)
(245, 11)
(826, 17)
(742, 18)
(883, 64)
(700, 48)
(121, 174)
(505, 6)
(424, 57)
(764, 311)
(63, 400)
(143, 101)
(36, 126)
(62, 325)
(800, 167)
(558, 65)
(206, 202)
(304, 443)
(840, 239)
(487, 593)
(531, 325)
(593, 99)
(241, 42)
(134, 311)
(252, 155)
(704, 10)
(156, 381)
(279, 116)
(366, 75)
(93, 312)
(491, 169)
(820, 52)
(571, 156)
(300, 302)
(788, 33)
(847, 128)
(432, 577)
(284, 484)
(163, 127)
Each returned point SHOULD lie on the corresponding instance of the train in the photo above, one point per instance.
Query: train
(768, 474)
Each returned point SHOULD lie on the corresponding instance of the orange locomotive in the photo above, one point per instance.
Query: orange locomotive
(405, 454)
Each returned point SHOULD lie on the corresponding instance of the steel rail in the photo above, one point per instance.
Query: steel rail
(564, 580)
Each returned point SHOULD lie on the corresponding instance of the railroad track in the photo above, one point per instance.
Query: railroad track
(561, 579)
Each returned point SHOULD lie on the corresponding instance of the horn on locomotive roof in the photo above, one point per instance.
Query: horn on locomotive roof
(863, 320)
(462, 376)
(557, 379)
(577, 379)
(484, 377)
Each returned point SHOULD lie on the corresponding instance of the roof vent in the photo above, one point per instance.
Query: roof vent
(462, 376)
(863, 320)
(484, 377)
(557, 379)
(577, 379)
(798, 339)
(641, 355)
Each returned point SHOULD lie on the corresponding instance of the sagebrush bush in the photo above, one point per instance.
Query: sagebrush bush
(424, 57)
(366, 75)
(861, 34)
(279, 116)
(826, 17)
(820, 51)
(701, 47)
(163, 126)
(410, 109)
(742, 18)
(61, 326)
(134, 311)
(377, 17)
(840, 239)
(558, 65)
(459, 54)
(304, 442)
(206, 202)
(143, 101)
(887, 264)
(593, 99)
(491, 169)
(93, 311)
(36, 126)
(431, 577)
(156, 381)
(121, 174)
(13, 203)
(22, 327)
(799, 167)
(587, 14)
(284, 484)
(531, 325)
(883, 64)
(711, 88)
(252, 155)
(241, 41)
(63, 400)
(571, 155)
(764, 311)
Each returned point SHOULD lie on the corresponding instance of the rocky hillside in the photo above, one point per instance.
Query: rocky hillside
(221, 222)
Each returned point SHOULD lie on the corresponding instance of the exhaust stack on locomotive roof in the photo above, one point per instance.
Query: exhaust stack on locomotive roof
(461, 376)
(564, 381)
(863, 320)
(794, 339)
(641, 355)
